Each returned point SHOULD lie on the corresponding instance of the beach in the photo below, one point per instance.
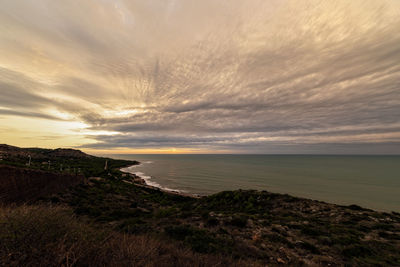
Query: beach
(133, 177)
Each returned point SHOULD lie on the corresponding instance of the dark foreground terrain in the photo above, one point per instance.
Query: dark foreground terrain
(112, 219)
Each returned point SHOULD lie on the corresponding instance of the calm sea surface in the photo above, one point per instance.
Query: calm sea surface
(368, 181)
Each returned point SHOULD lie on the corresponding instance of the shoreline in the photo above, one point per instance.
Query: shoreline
(142, 182)
(143, 179)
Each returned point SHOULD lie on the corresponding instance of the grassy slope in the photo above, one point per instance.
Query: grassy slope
(43, 235)
(62, 161)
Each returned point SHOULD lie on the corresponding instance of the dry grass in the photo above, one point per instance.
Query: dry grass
(43, 235)
(23, 184)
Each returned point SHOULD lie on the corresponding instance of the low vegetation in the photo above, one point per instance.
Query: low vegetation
(254, 225)
(114, 220)
(60, 161)
(49, 235)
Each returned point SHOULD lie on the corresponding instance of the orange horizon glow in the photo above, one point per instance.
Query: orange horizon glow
(124, 151)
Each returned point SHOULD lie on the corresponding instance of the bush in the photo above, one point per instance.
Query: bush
(277, 239)
(312, 231)
(162, 213)
(212, 222)
(49, 235)
(356, 251)
(198, 239)
(308, 246)
(239, 221)
(355, 207)
(52, 236)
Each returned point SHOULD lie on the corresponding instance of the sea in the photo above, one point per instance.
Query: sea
(368, 181)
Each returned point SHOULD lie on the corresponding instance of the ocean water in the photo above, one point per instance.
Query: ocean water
(369, 181)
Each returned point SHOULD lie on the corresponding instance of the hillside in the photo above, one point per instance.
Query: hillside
(18, 185)
(27, 174)
(242, 228)
(41, 152)
(59, 160)
(253, 225)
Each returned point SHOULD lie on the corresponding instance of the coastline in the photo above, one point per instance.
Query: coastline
(144, 182)
(141, 179)
(369, 182)
(258, 226)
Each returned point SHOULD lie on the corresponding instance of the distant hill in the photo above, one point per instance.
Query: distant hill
(60, 160)
(67, 152)
(42, 153)
(30, 173)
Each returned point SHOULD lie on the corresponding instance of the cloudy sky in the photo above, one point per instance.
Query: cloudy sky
(210, 76)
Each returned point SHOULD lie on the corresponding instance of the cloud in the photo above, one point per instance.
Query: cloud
(260, 76)
(27, 114)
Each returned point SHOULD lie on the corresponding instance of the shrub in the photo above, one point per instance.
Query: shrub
(311, 231)
(198, 239)
(162, 213)
(52, 236)
(212, 222)
(355, 207)
(308, 246)
(239, 221)
(356, 251)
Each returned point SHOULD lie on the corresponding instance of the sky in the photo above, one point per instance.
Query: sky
(210, 76)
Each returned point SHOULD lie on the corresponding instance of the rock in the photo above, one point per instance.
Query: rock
(139, 180)
(257, 235)
(279, 260)
(95, 179)
(250, 223)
